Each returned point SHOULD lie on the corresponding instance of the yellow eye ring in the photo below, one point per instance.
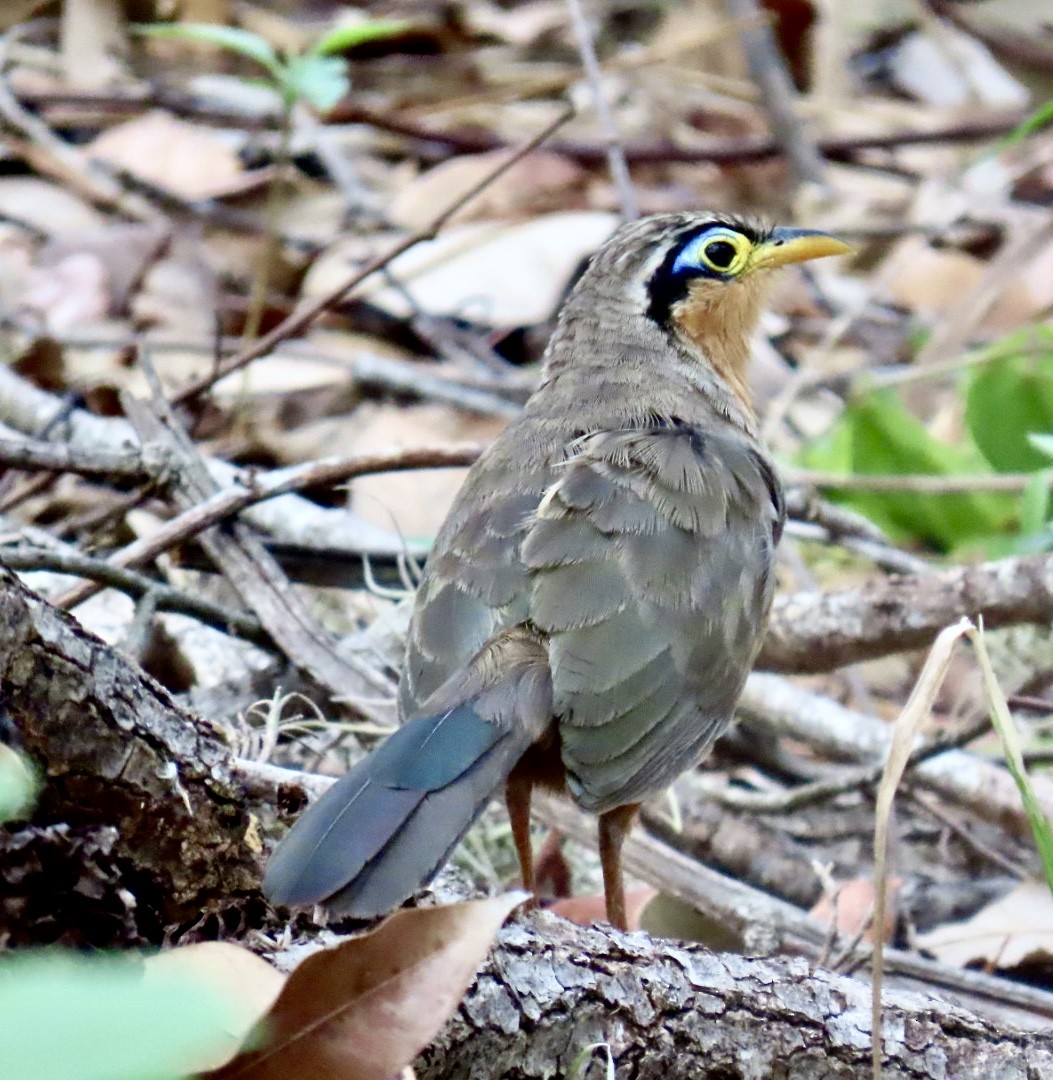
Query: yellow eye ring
(724, 253)
(719, 250)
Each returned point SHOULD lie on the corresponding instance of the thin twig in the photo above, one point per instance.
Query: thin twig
(768, 68)
(929, 804)
(785, 802)
(615, 151)
(307, 313)
(166, 597)
(227, 502)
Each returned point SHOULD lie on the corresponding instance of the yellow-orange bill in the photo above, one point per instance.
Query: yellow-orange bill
(786, 246)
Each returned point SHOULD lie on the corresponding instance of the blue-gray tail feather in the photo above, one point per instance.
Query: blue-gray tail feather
(387, 827)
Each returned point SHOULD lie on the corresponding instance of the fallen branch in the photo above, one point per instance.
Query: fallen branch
(552, 994)
(816, 631)
(757, 922)
(116, 751)
(840, 734)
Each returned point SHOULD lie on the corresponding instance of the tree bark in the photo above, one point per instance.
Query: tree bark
(819, 631)
(666, 1010)
(116, 750)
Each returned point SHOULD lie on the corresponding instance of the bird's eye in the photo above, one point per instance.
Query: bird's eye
(719, 254)
(718, 250)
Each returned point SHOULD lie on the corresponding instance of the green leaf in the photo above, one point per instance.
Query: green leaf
(1034, 503)
(352, 34)
(230, 38)
(876, 435)
(1042, 116)
(76, 1018)
(18, 784)
(1007, 401)
(1042, 443)
(321, 81)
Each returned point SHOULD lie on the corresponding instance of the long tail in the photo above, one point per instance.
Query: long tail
(387, 827)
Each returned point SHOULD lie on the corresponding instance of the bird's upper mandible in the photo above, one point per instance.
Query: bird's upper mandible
(628, 518)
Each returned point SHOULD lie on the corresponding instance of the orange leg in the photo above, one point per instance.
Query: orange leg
(614, 827)
(517, 799)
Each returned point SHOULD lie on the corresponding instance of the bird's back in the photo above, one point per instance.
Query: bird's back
(629, 517)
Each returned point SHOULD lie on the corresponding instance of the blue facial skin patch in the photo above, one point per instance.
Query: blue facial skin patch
(691, 259)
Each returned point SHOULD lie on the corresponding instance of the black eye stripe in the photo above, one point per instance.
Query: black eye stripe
(668, 284)
(720, 253)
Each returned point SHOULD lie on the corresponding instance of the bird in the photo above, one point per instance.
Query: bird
(599, 590)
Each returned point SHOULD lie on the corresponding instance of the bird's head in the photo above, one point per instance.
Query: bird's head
(711, 285)
(702, 278)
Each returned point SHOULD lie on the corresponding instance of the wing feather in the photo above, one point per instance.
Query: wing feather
(647, 677)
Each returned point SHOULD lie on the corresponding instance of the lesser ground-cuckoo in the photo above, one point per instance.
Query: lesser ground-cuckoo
(597, 594)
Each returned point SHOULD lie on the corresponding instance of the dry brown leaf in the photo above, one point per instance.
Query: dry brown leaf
(516, 24)
(931, 281)
(177, 295)
(73, 291)
(246, 981)
(365, 1009)
(47, 207)
(854, 907)
(125, 249)
(1014, 930)
(174, 155)
(415, 502)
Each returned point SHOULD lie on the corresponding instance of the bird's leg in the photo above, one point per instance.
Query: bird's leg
(614, 827)
(517, 798)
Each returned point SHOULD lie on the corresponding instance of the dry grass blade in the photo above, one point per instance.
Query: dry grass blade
(1014, 756)
(904, 734)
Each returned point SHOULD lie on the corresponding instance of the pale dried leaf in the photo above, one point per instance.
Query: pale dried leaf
(952, 69)
(177, 296)
(541, 181)
(180, 157)
(516, 24)
(930, 281)
(415, 502)
(73, 291)
(125, 249)
(1014, 930)
(47, 207)
(497, 274)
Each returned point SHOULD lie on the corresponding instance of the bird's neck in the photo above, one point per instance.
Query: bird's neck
(609, 366)
(724, 350)
(619, 386)
(715, 323)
